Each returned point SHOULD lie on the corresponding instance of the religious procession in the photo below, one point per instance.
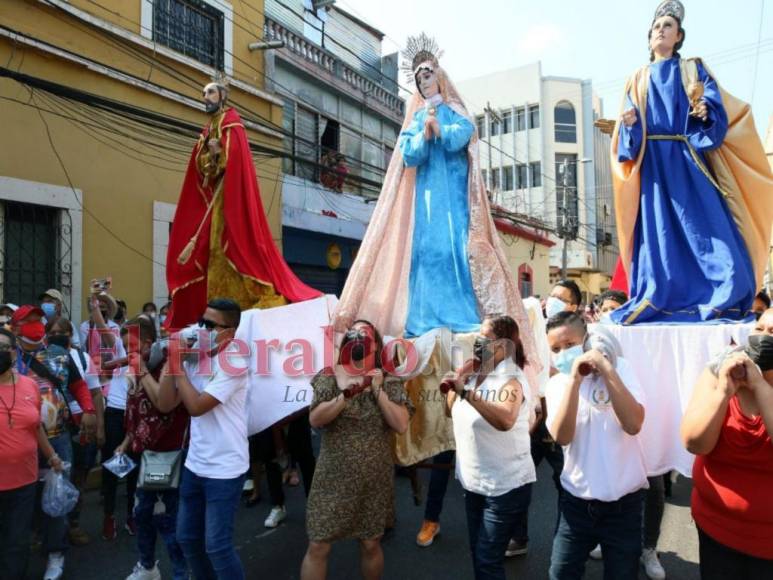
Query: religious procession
(308, 289)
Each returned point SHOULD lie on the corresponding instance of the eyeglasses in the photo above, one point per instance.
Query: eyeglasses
(211, 324)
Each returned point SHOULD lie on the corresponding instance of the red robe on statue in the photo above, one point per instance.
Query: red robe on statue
(220, 244)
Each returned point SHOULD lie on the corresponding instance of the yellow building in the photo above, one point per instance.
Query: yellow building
(101, 105)
(528, 254)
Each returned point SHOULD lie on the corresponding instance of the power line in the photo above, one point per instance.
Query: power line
(757, 55)
(350, 177)
(78, 200)
(194, 83)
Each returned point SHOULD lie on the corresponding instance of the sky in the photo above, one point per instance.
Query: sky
(601, 40)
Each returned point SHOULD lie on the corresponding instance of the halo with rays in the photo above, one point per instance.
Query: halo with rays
(419, 49)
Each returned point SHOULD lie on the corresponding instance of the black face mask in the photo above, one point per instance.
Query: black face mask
(60, 340)
(480, 348)
(357, 346)
(760, 350)
(5, 361)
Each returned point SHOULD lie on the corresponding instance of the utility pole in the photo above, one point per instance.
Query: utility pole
(567, 230)
(492, 114)
(564, 229)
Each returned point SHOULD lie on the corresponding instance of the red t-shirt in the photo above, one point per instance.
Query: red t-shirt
(151, 429)
(19, 444)
(732, 486)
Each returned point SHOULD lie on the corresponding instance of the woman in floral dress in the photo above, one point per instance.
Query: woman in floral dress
(352, 494)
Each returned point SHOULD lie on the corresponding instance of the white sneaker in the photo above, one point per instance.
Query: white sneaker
(55, 566)
(652, 566)
(595, 553)
(142, 573)
(278, 513)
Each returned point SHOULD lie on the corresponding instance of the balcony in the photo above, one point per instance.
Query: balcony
(322, 65)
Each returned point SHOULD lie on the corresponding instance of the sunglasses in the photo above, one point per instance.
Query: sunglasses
(210, 324)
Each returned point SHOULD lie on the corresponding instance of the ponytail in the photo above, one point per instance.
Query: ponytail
(505, 327)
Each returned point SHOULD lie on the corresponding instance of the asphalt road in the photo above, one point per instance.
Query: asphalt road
(277, 554)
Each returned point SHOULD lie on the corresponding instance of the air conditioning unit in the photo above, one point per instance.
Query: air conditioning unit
(603, 238)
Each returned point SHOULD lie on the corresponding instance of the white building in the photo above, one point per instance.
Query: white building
(533, 127)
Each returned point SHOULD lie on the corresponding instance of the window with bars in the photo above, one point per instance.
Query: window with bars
(494, 127)
(191, 27)
(29, 245)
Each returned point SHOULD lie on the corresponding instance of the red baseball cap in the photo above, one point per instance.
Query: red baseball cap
(24, 311)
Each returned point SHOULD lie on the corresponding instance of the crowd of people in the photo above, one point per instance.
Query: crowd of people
(71, 399)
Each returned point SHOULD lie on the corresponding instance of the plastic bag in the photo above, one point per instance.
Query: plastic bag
(59, 495)
(120, 465)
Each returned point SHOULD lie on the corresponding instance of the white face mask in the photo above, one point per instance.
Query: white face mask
(554, 306)
(564, 360)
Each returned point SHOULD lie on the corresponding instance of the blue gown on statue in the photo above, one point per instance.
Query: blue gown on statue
(440, 292)
(690, 263)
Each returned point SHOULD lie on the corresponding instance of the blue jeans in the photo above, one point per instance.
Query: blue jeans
(205, 525)
(17, 510)
(164, 523)
(615, 525)
(491, 522)
(438, 483)
(54, 530)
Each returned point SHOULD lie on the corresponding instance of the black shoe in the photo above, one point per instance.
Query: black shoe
(251, 501)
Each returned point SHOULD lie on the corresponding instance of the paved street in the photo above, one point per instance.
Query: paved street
(277, 554)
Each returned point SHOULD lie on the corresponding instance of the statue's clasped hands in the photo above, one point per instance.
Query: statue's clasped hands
(431, 128)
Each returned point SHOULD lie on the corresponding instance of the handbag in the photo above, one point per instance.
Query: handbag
(160, 470)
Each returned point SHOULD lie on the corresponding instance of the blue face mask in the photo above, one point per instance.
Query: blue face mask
(553, 306)
(49, 309)
(565, 359)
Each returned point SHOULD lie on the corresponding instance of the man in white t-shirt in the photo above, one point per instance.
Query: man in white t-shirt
(213, 388)
(596, 418)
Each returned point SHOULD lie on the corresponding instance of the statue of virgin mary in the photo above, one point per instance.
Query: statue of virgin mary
(431, 257)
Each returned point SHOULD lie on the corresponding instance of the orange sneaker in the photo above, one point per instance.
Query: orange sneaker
(427, 533)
